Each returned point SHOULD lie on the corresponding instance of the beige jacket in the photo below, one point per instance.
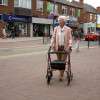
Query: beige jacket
(67, 37)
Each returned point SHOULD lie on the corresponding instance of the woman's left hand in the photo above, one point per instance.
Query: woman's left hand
(69, 49)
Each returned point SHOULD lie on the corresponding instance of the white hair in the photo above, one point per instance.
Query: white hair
(64, 18)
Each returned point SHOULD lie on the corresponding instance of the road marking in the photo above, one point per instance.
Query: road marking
(23, 54)
(34, 53)
(24, 47)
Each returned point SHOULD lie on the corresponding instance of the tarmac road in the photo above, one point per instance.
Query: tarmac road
(22, 77)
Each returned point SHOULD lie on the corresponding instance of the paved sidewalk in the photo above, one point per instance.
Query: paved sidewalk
(20, 39)
(23, 78)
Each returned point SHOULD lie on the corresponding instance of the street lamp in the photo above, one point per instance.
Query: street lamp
(53, 13)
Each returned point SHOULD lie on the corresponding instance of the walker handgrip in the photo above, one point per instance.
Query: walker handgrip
(58, 52)
(49, 49)
(70, 48)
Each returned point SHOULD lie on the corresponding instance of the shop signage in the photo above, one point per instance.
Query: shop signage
(13, 18)
(42, 20)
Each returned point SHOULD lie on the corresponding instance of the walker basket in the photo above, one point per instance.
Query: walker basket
(57, 64)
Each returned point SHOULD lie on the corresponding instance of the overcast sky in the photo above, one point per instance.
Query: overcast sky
(94, 3)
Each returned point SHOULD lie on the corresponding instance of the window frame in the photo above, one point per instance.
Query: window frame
(64, 10)
(4, 2)
(20, 3)
(38, 7)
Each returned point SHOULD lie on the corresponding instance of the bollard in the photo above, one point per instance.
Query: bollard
(88, 43)
(99, 39)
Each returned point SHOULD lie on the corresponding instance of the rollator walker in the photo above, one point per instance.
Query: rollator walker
(56, 64)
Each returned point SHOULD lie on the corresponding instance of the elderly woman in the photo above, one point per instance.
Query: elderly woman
(61, 40)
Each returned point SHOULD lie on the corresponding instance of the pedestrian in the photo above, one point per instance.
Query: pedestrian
(22, 32)
(77, 40)
(77, 44)
(61, 40)
(4, 33)
(99, 38)
(13, 32)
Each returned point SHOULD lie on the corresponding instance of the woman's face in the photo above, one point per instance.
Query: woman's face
(61, 22)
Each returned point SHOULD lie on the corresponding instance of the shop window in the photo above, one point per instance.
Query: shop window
(3, 2)
(23, 3)
(91, 17)
(77, 12)
(56, 8)
(0, 17)
(64, 10)
(39, 5)
(73, 11)
(51, 7)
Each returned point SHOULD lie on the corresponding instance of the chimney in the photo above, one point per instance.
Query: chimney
(81, 2)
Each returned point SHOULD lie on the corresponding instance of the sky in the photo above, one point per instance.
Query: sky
(94, 3)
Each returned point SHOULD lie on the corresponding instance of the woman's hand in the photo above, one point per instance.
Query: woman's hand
(69, 49)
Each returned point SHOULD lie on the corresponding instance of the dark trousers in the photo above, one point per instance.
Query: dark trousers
(13, 34)
(61, 57)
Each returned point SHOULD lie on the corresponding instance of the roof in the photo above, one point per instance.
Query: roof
(63, 1)
(68, 3)
(89, 8)
(76, 4)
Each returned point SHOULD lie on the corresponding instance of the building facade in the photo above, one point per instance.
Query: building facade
(87, 19)
(45, 13)
(17, 14)
(23, 17)
(39, 17)
(98, 20)
(6, 8)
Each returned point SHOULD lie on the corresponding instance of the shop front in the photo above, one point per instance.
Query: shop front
(89, 27)
(41, 26)
(98, 24)
(21, 25)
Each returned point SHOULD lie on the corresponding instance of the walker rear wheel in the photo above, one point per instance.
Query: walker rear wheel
(69, 77)
(49, 76)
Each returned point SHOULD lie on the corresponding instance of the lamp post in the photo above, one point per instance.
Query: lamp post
(53, 13)
(99, 38)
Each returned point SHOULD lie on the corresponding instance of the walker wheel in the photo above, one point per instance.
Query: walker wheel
(68, 78)
(49, 76)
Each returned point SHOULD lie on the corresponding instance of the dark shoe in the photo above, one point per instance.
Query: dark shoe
(60, 79)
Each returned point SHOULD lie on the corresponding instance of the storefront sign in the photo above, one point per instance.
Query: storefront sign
(42, 20)
(13, 18)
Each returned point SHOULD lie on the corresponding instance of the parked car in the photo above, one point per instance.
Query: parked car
(91, 37)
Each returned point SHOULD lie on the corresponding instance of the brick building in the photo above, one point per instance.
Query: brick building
(17, 14)
(87, 19)
(45, 10)
(98, 19)
(82, 16)
(6, 7)
(38, 17)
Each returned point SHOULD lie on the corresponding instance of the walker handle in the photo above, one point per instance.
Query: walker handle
(49, 49)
